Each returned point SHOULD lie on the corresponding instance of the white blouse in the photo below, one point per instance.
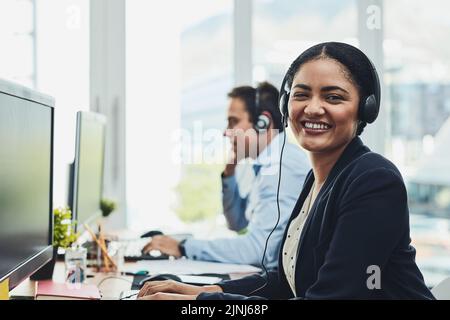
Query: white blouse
(292, 241)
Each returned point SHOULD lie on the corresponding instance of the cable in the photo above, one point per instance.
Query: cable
(112, 277)
(129, 296)
(278, 219)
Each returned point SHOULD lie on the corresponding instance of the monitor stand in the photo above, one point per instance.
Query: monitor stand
(46, 272)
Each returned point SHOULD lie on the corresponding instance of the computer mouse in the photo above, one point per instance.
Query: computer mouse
(152, 233)
(159, 277)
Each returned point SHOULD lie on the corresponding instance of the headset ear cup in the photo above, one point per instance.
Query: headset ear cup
(370, 109)
(281, 104)
(284, 99)
(262, 123)
(284, 108)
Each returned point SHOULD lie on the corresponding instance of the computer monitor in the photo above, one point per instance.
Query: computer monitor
(26, 168)
(87, 174)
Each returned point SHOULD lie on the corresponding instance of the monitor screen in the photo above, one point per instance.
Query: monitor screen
(88, 171)
(25, 180)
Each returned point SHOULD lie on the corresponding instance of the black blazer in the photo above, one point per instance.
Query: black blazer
(359, 219)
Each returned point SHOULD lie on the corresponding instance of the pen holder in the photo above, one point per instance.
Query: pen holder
(105, 258)
(75, 261)
(116, 252)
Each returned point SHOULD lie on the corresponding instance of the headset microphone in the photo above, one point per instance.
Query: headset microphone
(279, 214)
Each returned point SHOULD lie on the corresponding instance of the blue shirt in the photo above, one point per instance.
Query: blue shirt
(257, 211)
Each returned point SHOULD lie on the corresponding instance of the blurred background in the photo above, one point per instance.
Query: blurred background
(161, 70)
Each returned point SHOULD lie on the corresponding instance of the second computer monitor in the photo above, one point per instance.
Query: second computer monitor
(87, 181)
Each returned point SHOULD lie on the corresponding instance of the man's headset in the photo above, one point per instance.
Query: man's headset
(262, 122)
(369, 106)
(368, 110)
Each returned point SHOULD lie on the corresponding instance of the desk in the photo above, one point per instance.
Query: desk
(111, 284)
(110, 288)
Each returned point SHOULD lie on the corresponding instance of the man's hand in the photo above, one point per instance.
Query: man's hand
(170, 286)
(165, 244)
(231, 165)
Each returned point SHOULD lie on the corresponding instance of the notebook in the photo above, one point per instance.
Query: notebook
(49, 290)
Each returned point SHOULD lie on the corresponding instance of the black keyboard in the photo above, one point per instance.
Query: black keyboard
(133, 251)
(146, 257)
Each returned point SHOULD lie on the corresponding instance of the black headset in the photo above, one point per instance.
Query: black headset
(262, 122)
(369, 106)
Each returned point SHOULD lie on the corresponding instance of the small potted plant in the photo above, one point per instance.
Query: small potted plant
(107, 206)
(63, 237)
(63, 228)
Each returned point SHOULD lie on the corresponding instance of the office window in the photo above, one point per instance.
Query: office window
(417, 91)
(207, 77)
(45, 46)
(152, 106)
(17, 58)
(62, 64)
(283, 29)
(178, 73)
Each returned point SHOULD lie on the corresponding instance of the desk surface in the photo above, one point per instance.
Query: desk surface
(111, 284)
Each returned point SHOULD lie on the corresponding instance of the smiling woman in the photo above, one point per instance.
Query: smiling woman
(348, 236)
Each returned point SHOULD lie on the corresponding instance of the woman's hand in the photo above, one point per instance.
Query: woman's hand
(171, 286)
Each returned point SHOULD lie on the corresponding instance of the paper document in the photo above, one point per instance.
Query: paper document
(187, 266)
